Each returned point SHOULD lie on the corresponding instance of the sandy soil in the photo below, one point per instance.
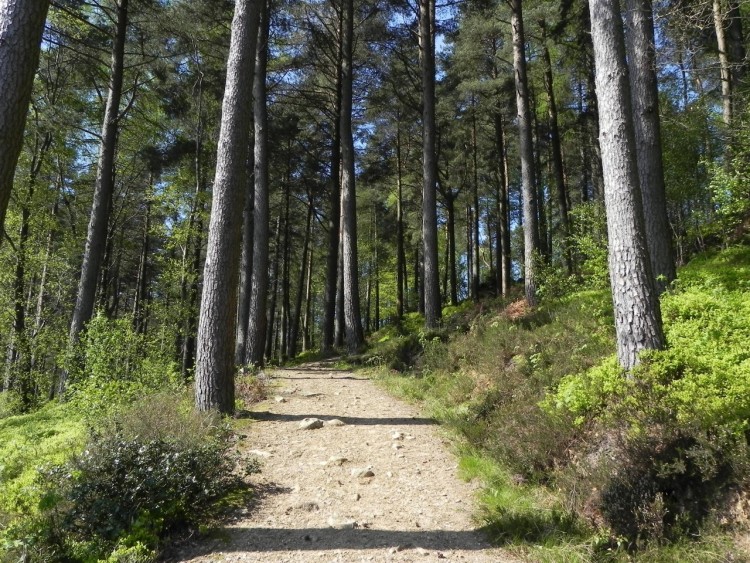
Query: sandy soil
(379, 485)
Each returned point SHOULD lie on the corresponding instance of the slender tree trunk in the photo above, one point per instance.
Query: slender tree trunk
(270, 334)
(285, 279)
(139, 303)
(214, 375)
(330, 293)
(525, 131)
(539, 184)
(21, 27)
(308, 322)
(246, 260)
(644, 93)
(96, 237)
(450, 206)
(340, 319)
(354, 335)
(257, 322)
(724, 64)
(476, 266)
(557, 160)
(302, 290)
(637, 314)
(503, 209)
(377, 274)
(431, 282)
(400, 251)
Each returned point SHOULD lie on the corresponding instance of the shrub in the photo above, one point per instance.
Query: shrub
(154, 468)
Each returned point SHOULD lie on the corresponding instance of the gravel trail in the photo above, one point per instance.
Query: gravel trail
(375, 483)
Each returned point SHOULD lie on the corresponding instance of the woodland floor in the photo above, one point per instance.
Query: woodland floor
(380, 485)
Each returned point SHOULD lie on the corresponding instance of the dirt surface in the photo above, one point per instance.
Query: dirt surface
(379, 485)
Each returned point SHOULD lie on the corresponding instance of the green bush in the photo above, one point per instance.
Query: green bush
(113, 365)
(153, 468)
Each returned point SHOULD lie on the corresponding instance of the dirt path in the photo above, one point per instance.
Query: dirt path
(377, 486)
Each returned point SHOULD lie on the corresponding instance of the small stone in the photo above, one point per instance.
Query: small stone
(397, 446)
(342, 523)
(334, 422)
(440, 555)
(357, 496)
(308, 506)
(279, 399)
(395, 549)
(311, 424)
(397, 436)
(259, 453)
(336, 460)
(362, 472)
(422, 551)
(389, 474)
(310, 394)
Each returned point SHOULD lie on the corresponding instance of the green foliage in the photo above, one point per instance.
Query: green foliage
(154, 468)
(113, 365)
(589, 243)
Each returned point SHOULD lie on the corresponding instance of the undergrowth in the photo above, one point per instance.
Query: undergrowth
(580, 462)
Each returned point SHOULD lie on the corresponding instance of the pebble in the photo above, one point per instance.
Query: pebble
(342, 523)
(259, 453)
(397, 436)
(336, 460)
(362, 472)
(334, 422)
(311, 424)
(279, 399)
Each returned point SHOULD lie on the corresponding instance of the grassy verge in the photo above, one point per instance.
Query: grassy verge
(578, 462)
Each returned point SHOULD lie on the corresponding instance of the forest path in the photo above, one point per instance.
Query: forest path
(379, 485)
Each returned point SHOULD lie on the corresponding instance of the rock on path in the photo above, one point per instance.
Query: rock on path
(378, 485)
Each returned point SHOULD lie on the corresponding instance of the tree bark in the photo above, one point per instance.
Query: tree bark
(257, 322)
(21, 27)
(503, 209)
(330, 293)
(475, 265)
(246, 261)
(302, 289)
(641, 51)
(431, 280)
(354, 335)
(400, 251)
(214, 376)
(96, 237)
(525, 132)
(557, 160)
(637, 314)
(270, 334)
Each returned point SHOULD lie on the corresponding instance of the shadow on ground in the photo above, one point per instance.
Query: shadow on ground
(352, 420)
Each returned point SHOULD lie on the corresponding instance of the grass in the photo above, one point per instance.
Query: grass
(486, 376)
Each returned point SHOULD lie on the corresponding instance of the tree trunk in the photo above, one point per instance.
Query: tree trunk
(308, 322)
(96, 237)
(644, 93)
(431, 281)
(286, 276)
(257, 323)
(525, 132)
(214, 375)
(270, 334)
(246, 260)
(400, 251)
(557, 160)
(475, 265)
(637, 315)
(724, 64)
(21, 27)
(503, 210)
(141, 287)
(302, 289)
(354, 336)
(450, 206)
(330, 292)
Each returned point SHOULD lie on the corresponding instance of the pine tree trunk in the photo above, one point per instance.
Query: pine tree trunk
(450, 207)
(475, 265)
(257, 327)
(214, 374)
(330, 292)
(270, 334)
(302, 290)
(431, 281)
(637, 315)
(141, 286)
(503, 209)
(246, 259)
(285, 279)
(724, 64)
(96, 237)
(354, 335)
(400, 251)
(557, 160)
(308, 322)
(644, 93)
(525, 131)
(21, 27)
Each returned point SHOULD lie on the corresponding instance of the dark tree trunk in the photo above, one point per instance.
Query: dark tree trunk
(246, 260)
(557, 160)
(330, 292)
(354, 335)
(525, 131)
(270, 334)
(475, 265)
(503, 210)
(96, 237)
(21, 26)
(302, 290)
(140, 311)
(214, 374)
(450, 207)
(431, 281)
(645, 97)
(400, 251)
(257, 327)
